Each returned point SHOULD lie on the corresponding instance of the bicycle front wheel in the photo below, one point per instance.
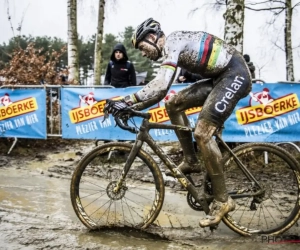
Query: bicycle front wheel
(273, 208)
(98, 202)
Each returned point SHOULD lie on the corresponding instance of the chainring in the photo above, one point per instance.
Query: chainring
(192, 203)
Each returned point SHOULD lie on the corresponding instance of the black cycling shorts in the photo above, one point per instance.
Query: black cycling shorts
(228, 88)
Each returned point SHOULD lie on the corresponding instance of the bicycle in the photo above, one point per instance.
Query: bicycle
(120, 185)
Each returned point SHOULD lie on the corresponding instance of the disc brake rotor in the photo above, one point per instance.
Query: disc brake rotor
(110, 190)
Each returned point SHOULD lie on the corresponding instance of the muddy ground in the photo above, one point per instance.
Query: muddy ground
(36, 211)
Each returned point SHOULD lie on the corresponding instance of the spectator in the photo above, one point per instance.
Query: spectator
(188, 77)
(120, 73)
(250, 65)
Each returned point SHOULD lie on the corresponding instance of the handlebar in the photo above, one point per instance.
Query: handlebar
(124, 115)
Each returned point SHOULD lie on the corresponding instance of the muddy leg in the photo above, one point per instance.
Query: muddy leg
(212, 159)
(189, 97)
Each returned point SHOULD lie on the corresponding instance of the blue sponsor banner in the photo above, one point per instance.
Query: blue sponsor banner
(22, 113)
(82, 113)
(269, 113)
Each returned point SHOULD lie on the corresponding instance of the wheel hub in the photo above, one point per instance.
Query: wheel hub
(266, 194)
(110, 190)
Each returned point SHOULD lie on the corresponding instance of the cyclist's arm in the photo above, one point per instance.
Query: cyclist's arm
(158, 88)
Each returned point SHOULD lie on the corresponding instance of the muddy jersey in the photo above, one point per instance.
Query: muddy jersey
(197, 52)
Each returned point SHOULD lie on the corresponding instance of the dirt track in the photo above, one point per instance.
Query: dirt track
(36, 212)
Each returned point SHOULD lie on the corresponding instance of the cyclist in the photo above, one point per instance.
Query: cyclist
(229, 81)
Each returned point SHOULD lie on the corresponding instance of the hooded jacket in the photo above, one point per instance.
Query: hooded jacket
(250, 65)
(252, 69)
(120, 73)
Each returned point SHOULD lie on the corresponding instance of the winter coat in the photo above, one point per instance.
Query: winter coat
(252, 69)
(120, 73)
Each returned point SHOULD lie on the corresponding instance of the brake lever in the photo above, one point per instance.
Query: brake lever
(105, 116)
(125, 119)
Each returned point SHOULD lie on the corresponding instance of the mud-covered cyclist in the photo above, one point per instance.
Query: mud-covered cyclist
(229, 81)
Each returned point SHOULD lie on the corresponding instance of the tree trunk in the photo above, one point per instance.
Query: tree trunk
(288, 41)
(234, 23)
(73, 42)
(98, 45)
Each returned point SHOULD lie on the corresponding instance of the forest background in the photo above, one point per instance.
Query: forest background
(46, 23)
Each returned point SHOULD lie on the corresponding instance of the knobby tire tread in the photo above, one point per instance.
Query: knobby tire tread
(293, 164)
(120, 147)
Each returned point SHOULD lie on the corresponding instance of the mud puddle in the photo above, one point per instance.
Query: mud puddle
(36, 212)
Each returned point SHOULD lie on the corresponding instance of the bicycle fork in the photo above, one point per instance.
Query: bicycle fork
(134, 151)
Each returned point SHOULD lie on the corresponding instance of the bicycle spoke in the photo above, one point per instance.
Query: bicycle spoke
(108, 202)
(265, 217)
(252, 218)
(94, 184)
(259, 219)
(92, 201)
(103, 213)
(130, 210)
(108, 209)
(270, 213)
(123, 213)
(245, 207)
(146, 198)
(115, 213)
(278, 209)
(138, 205)
(272, 206)
(134, 202)
(83, 197)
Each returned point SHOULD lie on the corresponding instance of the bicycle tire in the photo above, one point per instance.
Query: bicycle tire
(139, 200)
(278, 208)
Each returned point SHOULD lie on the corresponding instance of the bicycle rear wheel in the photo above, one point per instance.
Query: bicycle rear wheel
(93, 195)
(277, 208)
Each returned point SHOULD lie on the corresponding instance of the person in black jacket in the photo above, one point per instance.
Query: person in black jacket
(120, 73)
(250, 65)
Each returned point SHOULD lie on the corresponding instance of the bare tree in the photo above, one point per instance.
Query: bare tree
(277, 7)
(98, 45)
(260, 68)
(9, 18)
(234, 20)
(234, 23)
(19, 28)
(102, 9)
(288, 41)
(73, 42)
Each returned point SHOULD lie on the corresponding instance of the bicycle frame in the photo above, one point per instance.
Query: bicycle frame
(198, 194)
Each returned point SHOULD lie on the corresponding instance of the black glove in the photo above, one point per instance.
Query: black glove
(114, 107)
(187, 74)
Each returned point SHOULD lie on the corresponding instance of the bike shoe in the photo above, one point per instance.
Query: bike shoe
(186, 168)
(217, 211)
